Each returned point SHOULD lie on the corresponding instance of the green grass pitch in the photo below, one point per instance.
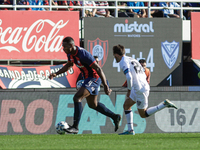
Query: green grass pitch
(145, 141)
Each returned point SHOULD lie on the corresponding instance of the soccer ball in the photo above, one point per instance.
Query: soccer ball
(60, 126)
(79, 84)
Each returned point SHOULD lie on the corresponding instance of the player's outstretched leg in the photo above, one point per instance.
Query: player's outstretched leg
(107, 112)
(154, 109)
(169, 104)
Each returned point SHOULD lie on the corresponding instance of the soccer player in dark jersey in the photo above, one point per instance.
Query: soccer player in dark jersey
(93, 76)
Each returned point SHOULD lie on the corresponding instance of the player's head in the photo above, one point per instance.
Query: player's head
(68, 44)
(118, 52)
(143, 63)
(96, 58)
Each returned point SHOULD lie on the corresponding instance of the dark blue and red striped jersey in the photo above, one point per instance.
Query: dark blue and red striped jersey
(83, 60)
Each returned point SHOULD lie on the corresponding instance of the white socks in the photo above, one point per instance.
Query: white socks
(129, 118)
(154, 109)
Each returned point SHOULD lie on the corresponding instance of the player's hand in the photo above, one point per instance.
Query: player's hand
(107, 90)
(128, 93)
(52, 75)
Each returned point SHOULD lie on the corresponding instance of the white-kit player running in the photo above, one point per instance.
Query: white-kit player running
(138, 88)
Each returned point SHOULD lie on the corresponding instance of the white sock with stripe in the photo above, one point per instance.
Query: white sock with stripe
(129, 118)
(154, 109)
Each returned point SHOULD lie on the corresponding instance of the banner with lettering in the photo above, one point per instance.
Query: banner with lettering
(157, 40)
(28, 112)
(37, 77)
(36, 34)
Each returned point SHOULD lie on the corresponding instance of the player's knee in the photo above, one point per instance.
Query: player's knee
(127, 106)
(93, 106)
(143, 114)
(124, 106)
(76, 99)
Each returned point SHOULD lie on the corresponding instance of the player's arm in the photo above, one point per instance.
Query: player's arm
(62, 70)
(128, 78)
(129, 83)
(124, 84)
(148, 74)
(101, 74)
(128, 93)
(125, 67)
(148, 78)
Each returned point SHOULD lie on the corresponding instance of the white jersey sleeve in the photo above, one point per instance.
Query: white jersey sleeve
(125, 67)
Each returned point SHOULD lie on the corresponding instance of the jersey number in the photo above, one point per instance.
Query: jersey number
(138, 68)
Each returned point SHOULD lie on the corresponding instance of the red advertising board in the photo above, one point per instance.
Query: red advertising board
(195, 31)
(37, 77)
(36, 34)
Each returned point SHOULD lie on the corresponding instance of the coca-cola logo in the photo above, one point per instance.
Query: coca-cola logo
(31, 38)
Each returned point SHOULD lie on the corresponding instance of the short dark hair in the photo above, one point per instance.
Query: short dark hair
(142, 61)
(119, 49)
(68, 40)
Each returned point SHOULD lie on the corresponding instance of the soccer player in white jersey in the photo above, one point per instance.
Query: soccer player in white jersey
(138, 89)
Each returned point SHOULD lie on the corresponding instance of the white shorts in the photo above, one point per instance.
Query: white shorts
(141, 99)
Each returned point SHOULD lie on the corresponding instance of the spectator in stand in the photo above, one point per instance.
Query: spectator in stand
(140, 13)
(6, 2)
(121, 12)
(67, 3)
(170, 13)
(102, 12)
(191, 4)
(62, 3)
(73, 3)
(154, 13)
(89, 12)
(39, 3)
(187, 13)
(23, 2)
(53, 3)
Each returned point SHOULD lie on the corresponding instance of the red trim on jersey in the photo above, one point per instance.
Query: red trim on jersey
(95, 74)
(92, 63)
(84, 68)
(71, 59)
